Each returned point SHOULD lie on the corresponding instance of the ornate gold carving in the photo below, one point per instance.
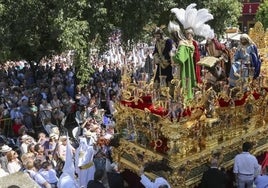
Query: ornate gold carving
(257, 34)
(205, 129)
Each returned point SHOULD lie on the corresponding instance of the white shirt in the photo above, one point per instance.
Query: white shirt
(13, 167)
(48, 127)
(24, 148)
(111, 107)
(246, 164)
(261, 181)
(49, 175)
(38, 178)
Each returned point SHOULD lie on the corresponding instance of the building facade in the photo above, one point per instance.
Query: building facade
(247, 20)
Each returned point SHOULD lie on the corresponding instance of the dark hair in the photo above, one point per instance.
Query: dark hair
(98, 175)
(37, 164)
(37, 147)
(247, 146)
(45, 164)
(29, 147)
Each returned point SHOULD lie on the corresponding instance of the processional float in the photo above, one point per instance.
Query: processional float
(176, 139)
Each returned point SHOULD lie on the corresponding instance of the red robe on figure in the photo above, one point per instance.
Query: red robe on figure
(196, 60)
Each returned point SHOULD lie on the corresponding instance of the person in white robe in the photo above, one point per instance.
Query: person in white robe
(67, 178)
(84, 164)
(159, 182)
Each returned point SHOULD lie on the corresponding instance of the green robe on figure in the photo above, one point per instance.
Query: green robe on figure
(184, 57)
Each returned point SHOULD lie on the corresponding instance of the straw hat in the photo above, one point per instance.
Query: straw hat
(5, 148)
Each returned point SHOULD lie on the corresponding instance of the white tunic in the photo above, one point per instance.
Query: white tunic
(84, 165)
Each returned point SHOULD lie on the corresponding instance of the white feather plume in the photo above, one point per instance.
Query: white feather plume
(204, 15)
(172, 26)
(190, 16)
(180, 14)
(195, 19)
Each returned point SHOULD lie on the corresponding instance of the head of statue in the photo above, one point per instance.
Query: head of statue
(158, 33)
(189, 33)
(245, 39)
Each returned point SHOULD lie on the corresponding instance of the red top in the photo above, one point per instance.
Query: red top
(16, 127)
(196, 60)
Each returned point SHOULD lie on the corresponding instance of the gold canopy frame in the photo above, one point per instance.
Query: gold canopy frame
(181, 150)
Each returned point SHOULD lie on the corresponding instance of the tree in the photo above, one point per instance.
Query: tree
(132, 16)
(225, 12)
(74, 35)
(24, 34)
(262, 14)
(100, 28)
(33, 29)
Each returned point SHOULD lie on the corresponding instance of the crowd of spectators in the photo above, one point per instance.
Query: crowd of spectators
(41, 106)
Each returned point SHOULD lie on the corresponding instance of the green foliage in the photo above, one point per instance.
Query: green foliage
(262, 14)
(25, 30)
(83, 68)
(225, 12)
(33, 29)
(135, 17)
(73, 36)
(132, 16)
(96, 15)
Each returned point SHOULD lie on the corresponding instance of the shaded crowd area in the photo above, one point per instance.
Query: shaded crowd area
(41, 106)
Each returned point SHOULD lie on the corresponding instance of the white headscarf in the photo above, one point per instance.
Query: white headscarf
(246, 36)
(67, 179)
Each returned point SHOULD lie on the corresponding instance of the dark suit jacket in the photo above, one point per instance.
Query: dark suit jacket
(115, 180)
(213, 178)
(94, 184)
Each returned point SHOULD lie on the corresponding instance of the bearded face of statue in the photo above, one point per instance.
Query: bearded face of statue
(158, 37)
